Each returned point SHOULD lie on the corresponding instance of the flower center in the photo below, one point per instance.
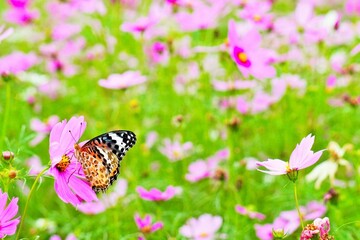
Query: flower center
(63, 164)
(146, 229)
(242, 57)
(288, 170)
(334, 155)
(257, 18)
(176, 154)
(203, 235)
(227, 42)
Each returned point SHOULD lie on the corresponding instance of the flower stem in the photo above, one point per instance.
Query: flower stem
(28, 200)
(6, 115)
(297, 206)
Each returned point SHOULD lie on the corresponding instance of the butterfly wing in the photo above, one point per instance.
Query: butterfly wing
(100, 157)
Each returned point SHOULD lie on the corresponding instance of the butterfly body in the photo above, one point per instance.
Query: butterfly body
(100, 157)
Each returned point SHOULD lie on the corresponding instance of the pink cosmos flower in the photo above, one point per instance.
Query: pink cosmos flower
(71, 236)
(5, 33)
(264, 232)
(158, 53)
(352, 7)
(151, 138)
(51, 88)
(289, 221)
(201, 16)
(17, 62)
(139, 26)
(42, 128)
(124, 80)
(286, 81)
(63, 31)
(60, 55)
(7, 224)
(323, 225)
(21, 16)
(247, 53)
(257, 13)
(155, 194)
(319, 229)
(206, 168)
(251, 214)
(145, 224)
(70, 183)
(35, 165)
(302, 157)
(174, 150)
(106, 200)
(203, 228)
(223, 86)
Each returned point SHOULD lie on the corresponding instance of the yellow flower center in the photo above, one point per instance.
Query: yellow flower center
(257, 18)
(134, 103)
(203, 235)
(334, 155)
(227, 44)
(176, 154)
(242, 57)
(63, 164)
(288, 170)
(146, 229)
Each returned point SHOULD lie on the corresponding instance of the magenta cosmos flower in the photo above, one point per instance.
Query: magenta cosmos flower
(206, 168)
(8, 226)
(42, 128)
(203, 228)
(248, 55)
(19, 13)
(289, 221)
(145, 224)
(246, 212)
(302, 157)
(70, 183)
(17, 62)
(156, 195)
(174, 150)
(319, 229)
(124, 80)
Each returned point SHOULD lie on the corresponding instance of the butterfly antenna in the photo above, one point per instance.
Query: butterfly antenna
(72, 135)
(68, 180)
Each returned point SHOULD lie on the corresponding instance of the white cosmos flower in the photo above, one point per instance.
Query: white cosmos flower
(328, 168)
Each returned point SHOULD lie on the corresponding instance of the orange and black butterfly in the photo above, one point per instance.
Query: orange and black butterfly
(100, 157)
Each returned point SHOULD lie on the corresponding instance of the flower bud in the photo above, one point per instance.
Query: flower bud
(278, 234)
(12, 174)
(7, 155)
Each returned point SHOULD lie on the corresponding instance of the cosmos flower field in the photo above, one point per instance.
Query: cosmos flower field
(242, 119)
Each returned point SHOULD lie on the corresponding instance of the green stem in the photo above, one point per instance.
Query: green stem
(28, 200)
(297, 206)
(6, 115)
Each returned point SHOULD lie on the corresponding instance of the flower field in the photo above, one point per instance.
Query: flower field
(179, 119)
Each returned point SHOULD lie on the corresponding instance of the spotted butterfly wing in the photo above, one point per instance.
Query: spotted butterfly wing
(100, 157)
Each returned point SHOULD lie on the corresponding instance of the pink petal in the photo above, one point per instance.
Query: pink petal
(63, 191)
(10, 211)
(157, 226)
(9, 228)
(276, 166)
(82, 189)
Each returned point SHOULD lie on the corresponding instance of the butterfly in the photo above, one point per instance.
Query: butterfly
(100, 157)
